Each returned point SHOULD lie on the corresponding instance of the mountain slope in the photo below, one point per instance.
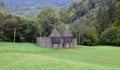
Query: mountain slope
(31, 7)
(2, 9)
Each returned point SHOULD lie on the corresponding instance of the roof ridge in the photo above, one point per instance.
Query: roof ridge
(55, 33)
(67, 33)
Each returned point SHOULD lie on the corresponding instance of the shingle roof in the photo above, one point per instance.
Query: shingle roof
(55, 33)
(67, 33)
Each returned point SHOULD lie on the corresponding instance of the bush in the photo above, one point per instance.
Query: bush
(111, 36)
(89, 39)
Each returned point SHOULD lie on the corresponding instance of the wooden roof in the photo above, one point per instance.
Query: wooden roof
(55, 33)
(67, 33)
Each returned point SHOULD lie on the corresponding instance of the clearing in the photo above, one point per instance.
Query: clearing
(28, 56)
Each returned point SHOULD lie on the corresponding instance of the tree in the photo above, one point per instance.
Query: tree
(117, 15)
(102, 20)
(45, 12)
(1, 26)
(83, 32)
(27, 29)
(48, 19)
(111, 36)
(9, 26)
(111, 9)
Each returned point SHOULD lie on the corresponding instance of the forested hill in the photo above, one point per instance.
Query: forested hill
(31, 7)
(94, 21)
(2, 8)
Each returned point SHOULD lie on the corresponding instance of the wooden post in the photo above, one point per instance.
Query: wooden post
(2, 28)
(78, 37)
(14, 36)
(2, 31)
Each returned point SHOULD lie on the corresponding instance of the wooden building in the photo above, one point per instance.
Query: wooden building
(56, 39)
(67, 38)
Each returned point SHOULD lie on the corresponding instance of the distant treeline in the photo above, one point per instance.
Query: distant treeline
(92, 22)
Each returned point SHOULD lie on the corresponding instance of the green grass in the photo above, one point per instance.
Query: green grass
(27, 56)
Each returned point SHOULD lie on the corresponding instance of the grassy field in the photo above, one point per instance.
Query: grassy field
(27, 56)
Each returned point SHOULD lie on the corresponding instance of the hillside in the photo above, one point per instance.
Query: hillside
(93, 17)
(27, 56)
(31, 7)
(2, 8)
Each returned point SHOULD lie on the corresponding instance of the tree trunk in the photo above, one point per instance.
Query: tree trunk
(14, 36)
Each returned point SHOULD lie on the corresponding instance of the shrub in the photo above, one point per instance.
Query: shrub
(111, 36)
(89, 39)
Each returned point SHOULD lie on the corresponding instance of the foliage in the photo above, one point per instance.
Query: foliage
(8, 28)
(1, 26)
(102, 20)
(48, 19)
(85, 33)
(27, 29)
(110, 37)
(89, 38)
(91, 16)
(116, 24)
(117, 15)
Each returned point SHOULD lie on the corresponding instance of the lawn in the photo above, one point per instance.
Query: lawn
(28, 56)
